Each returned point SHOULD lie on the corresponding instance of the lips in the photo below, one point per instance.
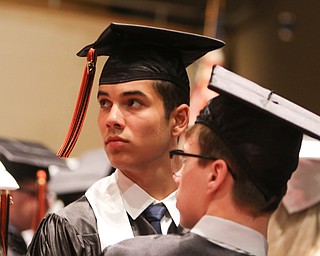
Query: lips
(114, 141)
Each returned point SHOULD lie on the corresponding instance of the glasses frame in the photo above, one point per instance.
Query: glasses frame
(182, 153)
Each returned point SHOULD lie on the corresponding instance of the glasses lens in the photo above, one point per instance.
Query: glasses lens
(176, 163)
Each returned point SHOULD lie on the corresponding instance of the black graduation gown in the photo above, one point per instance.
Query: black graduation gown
(16, 244)
(73, 231)
(188, 244)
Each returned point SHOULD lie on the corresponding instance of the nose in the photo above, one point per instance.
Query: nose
(114, 118)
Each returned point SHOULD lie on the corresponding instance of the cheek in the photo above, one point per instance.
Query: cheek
(26, 205)
(154, 133)
(101, 122)
(190, 198)
(31, 206)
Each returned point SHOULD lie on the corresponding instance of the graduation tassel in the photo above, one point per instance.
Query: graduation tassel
(42, 198)
(81, 105)
(5, 204)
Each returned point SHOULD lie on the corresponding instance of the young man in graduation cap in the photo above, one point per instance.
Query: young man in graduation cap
(144, 97)
(233, 172)
(28, 163)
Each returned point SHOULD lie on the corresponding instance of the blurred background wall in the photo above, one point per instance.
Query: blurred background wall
(272, 42)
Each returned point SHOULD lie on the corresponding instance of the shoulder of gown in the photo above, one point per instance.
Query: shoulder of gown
(188, 244)
(71, 231)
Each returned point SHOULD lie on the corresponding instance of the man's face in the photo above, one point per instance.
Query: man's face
(191, 195)
(25, 205)
(132, 125)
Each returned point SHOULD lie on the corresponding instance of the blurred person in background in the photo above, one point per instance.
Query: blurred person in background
(28, 162)
(86, 169)
(294, 229)
(7, 185)
(199, 94)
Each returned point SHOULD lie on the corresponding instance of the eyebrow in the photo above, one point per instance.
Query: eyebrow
(129, 93)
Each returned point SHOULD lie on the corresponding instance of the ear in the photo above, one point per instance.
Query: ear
(180, 118)
(218, 174)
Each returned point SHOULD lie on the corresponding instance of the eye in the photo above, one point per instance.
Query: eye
(133, 103)
(104, 103)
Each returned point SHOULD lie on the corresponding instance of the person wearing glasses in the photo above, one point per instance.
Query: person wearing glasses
(232, 174)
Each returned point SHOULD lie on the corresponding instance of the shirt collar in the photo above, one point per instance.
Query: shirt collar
(136, 200)
(231, 235)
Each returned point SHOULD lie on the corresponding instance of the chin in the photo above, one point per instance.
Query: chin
(185, 224)
(187, 221)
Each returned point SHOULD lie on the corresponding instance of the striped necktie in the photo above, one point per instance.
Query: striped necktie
(154, 213)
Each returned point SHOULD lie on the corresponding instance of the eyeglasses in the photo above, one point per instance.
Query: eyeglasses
(178, 159)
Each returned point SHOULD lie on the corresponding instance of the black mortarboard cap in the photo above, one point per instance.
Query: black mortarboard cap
(262, 130)
(142, 52)
(137, 53)
(24, 158)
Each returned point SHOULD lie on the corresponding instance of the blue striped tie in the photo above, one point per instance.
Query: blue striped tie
(154, 213)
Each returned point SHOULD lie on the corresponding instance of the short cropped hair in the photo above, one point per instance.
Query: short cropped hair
(245, 192)
(172, 95)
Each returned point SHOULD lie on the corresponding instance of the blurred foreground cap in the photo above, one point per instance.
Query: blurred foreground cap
(83, 171)
(137, 52)
(7, 182)
(263, 130)
(24, 158)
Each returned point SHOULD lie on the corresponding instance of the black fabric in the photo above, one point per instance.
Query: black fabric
(140, 61)
(22, 172)
(189, 46)
(266, 147)
(73, 231)
(141, 227)
(188, 244)
(16, 244)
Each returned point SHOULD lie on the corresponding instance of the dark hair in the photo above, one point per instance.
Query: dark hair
(172, 95)
(245, 192)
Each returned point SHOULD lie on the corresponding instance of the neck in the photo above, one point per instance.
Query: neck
(154, 176)
(240, 215)
(158, 183)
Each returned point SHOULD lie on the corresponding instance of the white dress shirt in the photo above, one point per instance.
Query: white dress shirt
(231, 235)
(112, 197)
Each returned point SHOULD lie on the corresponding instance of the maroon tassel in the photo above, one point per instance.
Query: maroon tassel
(81, 106)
